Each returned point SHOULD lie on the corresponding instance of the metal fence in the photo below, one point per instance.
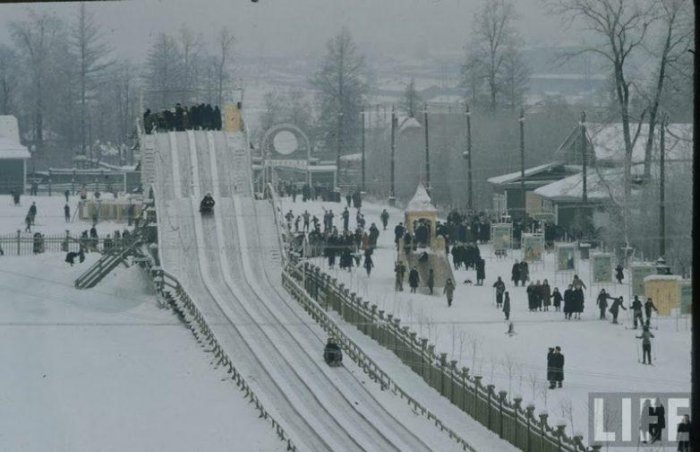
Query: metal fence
(25, 243)
(509, 419)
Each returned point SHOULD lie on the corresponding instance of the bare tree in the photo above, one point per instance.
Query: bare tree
(515, 77)
(224, 42)
(676, 36)
(192, 53)
(473, 73)
(494, 35)
(163, 72)
(8, 79)
(92, 56)
(35, 39)
(621, 27)
(411, 99)
(341, 84)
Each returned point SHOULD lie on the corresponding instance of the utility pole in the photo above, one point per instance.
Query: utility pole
(339, 144)
(468, 156)
(583, 157)
(662, 188)
(363, 150)
(392, 198)
(427, 150)
(522, 159)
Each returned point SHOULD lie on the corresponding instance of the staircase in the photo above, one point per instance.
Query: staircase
(108, 262)
(148, 163)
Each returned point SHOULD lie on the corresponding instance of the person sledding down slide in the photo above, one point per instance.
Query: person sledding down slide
(332, 353)
(207, 205)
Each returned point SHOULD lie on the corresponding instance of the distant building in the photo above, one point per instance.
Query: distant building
(13, 157)
(554, 190)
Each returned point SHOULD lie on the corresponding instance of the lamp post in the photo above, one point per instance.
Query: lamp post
(662, 188)
(392, 197)
(583, 157)
(468, 156)
(427, 150)
(522, 160)
(363, 150)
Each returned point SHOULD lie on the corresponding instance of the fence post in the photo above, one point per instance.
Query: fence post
(543, 426)
(388, 333)
(373, 322)
(528, 416)
(453, 377)
(477, 387)
(465, 378)
(341, 311)
(396, 335)
(501, 399)
(490, 389)
(560, 434)
(517, 401)
(423, 367)
(443, 364)
(18, 240)
(382, 328)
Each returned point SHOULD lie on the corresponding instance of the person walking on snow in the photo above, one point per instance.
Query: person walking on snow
(615, 308)
(368, 264)
(545, 294)
(413, 279)
(500, 287)
(480, 271)
(431, 280)
(637, 311)
(646, 344)
(66, 212)
(602, 302)
(506, 305)
(619, 275)
(400, 271)
(32, 212)
(449, 291)
(384, 216)
(648, 307)
(557, 299)
(524, 273)
(558, 363)
(551, 369)
(515, 273)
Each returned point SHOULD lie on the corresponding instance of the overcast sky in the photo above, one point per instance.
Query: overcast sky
(301, 27)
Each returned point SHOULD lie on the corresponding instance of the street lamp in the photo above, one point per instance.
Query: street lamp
(468, 156)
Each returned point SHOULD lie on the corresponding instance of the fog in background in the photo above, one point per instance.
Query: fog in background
(272, 28)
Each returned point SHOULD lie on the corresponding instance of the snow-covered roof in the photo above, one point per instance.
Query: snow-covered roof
(515, 176)
(608, 141)
(408, 123)
(421, 201)
(10, 147)
(663, 277)
(351, 157)
(571, 188)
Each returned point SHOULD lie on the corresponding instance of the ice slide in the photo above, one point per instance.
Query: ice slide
(226, 264)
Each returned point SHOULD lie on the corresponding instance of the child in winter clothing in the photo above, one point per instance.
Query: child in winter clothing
(646, 344)
(449, 290)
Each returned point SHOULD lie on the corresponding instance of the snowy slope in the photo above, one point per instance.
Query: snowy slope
(218, 260)
(600, 356)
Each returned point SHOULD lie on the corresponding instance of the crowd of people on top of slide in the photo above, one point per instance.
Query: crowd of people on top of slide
(180, 118)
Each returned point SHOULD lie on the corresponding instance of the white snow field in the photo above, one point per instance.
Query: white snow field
(600, 356)
(105, 369)
(230, 265)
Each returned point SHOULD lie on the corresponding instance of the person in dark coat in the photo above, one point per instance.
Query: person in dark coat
(431, 280)
(66, 212)
(400, 271)
(558, 364)
(578, 303)
(551, 369)
(646, 344)
(637, 311)
(32, 212)
(480, 271)
(658, 427)
(515, 273)
(506, 305)
(500, 287)
(619, 275)
(407, 243)
(385, 218)
(545, 294)
(524, 272)
(368, 263)
(615, 308)
(413, 279)
(217, 118)
(346, 219)
(568, 302)
(531, 297)
(684, 435)
(648, 307)
(557, 299)
(399, 232)
(602, 302)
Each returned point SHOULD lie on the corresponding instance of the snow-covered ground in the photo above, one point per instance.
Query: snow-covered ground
(600, 356)
(50, 217)
(106, 369)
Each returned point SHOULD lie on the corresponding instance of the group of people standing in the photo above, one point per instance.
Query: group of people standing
(196, 117)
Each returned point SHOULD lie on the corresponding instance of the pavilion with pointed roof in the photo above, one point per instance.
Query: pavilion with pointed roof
(420, 207)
